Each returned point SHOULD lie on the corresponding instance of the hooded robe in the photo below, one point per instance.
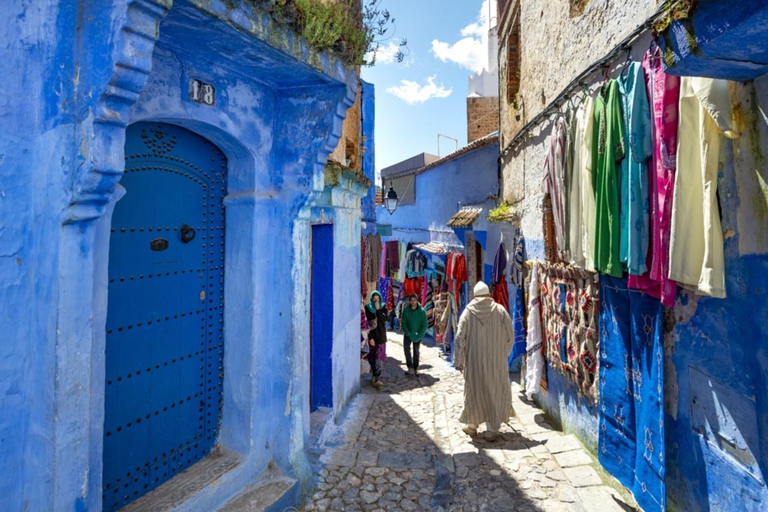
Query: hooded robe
(483, 342)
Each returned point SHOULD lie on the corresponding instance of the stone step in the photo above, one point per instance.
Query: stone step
(274, 495)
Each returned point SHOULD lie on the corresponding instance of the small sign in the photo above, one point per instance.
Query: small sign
(384, 229)
(201, 92)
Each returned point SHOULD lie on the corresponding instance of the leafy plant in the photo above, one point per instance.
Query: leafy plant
(502, 213)
(675, 11)
(353, 28)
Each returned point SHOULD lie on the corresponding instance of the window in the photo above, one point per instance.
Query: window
(514, 57)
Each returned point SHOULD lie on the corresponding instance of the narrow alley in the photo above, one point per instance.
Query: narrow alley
(401, 447)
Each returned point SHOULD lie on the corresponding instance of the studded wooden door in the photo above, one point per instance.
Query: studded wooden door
(165, 323)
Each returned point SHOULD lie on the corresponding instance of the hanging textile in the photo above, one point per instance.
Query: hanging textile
(416, 263)
(499, 263)
(392, 250)
(633, 179)
(609, 148)
(664, 93)
(534, 358)
(403, 251)
(384, 289)
(569, 301)
(383, 265)
(414, 285)
(471, 261)
(518, 308)
(372, 257)
(500, 292)
(459, 275)
(577, 124)
(696, 240)
(631, 414)
(587, 192)
(554, 184)
(429, 304)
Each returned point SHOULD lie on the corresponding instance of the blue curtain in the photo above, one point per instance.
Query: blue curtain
(631, 438)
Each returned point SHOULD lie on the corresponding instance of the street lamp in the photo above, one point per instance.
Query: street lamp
(390, 202)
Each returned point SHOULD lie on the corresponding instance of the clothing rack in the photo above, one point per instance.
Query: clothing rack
(624, 45)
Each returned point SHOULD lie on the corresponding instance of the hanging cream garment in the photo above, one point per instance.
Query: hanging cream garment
(575, 230)
(696, 241)
(588, 206)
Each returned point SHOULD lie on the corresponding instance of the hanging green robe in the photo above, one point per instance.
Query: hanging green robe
(607, 151)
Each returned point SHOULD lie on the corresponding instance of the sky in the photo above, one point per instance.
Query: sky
(425, 95)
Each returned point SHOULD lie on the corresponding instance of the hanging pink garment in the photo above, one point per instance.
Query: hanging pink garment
(664, 95)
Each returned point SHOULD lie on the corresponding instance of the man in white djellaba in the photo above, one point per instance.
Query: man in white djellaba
(483, 342)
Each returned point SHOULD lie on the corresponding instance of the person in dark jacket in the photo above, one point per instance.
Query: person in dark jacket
(376, 314)
(415, 325)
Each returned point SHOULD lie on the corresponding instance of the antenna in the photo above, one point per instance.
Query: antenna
(447, 137)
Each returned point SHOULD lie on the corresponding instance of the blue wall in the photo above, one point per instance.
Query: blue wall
(724, 39)
(469, 178)
(369, 155)
(716, 350)
(85, 70)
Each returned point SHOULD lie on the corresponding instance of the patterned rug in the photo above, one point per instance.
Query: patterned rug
(569, 299)
(631, 437)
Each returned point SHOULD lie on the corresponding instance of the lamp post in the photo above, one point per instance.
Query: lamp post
(390, 202)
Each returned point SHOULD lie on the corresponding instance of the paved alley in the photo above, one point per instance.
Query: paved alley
(401, 447)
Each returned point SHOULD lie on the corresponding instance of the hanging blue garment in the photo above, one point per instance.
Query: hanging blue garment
(631, 437)
(518, 308)
(499, 264)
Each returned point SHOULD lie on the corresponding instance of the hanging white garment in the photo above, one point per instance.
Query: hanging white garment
(535, 360)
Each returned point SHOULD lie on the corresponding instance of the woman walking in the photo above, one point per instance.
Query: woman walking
(376, 313)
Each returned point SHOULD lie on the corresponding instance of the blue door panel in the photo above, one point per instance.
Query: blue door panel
(165, 324)
(321, 370)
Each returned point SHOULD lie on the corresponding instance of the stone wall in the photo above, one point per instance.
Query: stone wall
(482, 117)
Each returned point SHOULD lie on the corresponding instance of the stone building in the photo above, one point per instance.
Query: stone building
(483, 96)
(715, 414)
(168, 219)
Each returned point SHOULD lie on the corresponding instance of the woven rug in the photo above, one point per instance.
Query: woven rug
(569, 299)
(631, 437)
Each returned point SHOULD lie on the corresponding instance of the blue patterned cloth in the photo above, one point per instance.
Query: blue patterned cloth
(631, 439)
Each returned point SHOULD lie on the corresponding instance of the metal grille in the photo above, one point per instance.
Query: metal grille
(165, 320)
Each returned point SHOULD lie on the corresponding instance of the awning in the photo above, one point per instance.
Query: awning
(464, 217)
(432, 248)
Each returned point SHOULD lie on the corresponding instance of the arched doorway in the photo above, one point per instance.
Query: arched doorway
(165, 319)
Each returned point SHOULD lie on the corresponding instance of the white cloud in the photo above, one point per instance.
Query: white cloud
(471, 51)
(413, 92)
(386, 53)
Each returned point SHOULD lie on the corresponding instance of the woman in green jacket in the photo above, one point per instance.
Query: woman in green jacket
(414, 321)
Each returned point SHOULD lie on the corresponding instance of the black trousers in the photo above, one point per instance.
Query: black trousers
(373, 359)
(411, 362)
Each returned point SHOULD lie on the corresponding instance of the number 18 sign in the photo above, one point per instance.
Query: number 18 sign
(201, 92)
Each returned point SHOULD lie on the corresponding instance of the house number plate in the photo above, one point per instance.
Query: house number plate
(201, 92)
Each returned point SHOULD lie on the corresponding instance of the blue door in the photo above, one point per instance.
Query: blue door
(165, 319)
(321, 343)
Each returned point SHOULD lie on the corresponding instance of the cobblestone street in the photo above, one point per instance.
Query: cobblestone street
(401, 447)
